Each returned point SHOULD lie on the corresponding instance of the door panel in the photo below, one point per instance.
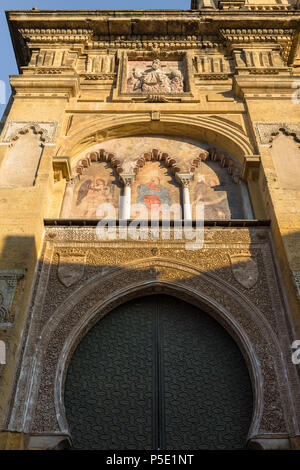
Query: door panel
(108, 392)
(207, 390)
(158, 373)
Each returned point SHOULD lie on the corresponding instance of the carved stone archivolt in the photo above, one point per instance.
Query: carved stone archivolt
(219, 132)
(247, 304)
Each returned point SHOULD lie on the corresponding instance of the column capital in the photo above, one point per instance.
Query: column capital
(184, 178)
(127, 178)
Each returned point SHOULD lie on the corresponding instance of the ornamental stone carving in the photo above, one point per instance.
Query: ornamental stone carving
(202, 277)
(8, 284)
(266, 131)
(71, 268)
(46, 129)
(156, 78)
(245, 270)
(296, 275)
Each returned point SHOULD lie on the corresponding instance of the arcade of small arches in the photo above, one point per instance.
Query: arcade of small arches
(155, 171)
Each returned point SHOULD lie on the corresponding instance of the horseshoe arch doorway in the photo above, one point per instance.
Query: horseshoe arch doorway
(158, 373)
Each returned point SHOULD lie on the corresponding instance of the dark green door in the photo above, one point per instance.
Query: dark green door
(158, 373)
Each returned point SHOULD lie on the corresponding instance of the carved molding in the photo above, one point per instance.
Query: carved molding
(56, 35)
(266, 131)
(108, 127)
(154, 44)
(238, 37)
(46, 129)
(98, 76)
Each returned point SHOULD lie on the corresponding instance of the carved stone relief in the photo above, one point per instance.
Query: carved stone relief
(8, 284)
(245, 269)
(286, 157)
(156, 77)
(47, 130)
(70, 268)
(266, 131)
(115, 271)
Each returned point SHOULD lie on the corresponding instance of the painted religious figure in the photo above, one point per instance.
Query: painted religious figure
(155, 79)
(153, 194)
(91, 194)
(208, 192)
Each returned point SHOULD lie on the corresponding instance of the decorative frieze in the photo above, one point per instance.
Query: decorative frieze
(206, 64)
(155, 43)
(56, 35)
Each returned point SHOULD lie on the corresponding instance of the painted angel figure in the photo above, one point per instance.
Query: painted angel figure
(215, 202)
(90, 196)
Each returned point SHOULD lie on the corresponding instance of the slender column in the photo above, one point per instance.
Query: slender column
(184, 180)
(127, 179)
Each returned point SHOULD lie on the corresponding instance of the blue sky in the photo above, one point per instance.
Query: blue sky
(7, 59)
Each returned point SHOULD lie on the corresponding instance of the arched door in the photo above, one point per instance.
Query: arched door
(158, 373)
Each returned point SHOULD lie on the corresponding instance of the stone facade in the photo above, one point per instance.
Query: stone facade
(159, 107)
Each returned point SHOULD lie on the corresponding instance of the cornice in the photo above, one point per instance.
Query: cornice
(127, 29)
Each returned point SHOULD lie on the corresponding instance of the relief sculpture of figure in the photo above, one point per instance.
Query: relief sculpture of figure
(176, 81)
(155, 80)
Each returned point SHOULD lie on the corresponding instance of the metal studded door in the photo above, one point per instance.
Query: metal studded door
(158, 373)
